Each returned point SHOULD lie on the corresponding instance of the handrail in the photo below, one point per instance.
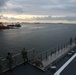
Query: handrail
(19, 53)
(52, 49)
(17, 59)
(49, 49)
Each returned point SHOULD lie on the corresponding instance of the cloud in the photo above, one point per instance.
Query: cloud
(44, 18)
(4, 17)
(41, 7)
(3, 2)
(66, 8)
(50, 18)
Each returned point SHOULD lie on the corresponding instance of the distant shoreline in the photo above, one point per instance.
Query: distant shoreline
(36, 23)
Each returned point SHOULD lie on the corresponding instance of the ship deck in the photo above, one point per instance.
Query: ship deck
(70, 69)
(29, 69)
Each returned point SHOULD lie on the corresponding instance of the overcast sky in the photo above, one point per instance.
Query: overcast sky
(38, 10)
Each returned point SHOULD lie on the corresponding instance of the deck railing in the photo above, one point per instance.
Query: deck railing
(60, 49)
(31, 55)
(17, 59)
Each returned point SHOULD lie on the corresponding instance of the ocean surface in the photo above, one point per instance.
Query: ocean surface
(38, 36)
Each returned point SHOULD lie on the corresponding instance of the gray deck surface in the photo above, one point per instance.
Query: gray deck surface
(70, 69)
(27, 70)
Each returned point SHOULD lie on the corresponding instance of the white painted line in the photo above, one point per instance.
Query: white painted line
(64, 66)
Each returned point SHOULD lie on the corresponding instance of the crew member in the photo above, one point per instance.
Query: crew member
(1, 68)
(10, 60)
(24, 55)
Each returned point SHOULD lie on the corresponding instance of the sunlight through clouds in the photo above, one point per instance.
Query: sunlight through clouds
(38, 10)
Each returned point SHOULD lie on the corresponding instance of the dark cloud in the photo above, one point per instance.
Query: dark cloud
(40, 7)
(50, 7)
(3, 2)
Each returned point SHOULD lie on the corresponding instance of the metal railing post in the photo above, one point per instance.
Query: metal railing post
(46, 55)
(64, 45)
(41, 57)
(33, 53)
(58, 49)
(51, 53)
(61, 48)
(55, 51)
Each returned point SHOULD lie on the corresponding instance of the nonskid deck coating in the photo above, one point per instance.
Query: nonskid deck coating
(70, 69)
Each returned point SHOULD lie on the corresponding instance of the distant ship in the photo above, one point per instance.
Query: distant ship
(37, 23)
(14, 25)
(3, 27)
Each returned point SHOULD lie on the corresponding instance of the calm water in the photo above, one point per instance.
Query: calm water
(38, 36)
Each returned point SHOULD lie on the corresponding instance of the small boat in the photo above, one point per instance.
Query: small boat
(14, 25)
(18, 25)
(3, 27)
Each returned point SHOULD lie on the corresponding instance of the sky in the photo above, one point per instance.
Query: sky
(57, 11)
